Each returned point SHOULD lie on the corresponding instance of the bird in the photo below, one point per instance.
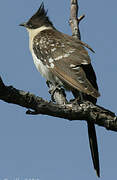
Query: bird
(64, 62)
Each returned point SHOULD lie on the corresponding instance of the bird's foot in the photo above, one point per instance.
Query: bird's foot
(53, 89)
(77, 100)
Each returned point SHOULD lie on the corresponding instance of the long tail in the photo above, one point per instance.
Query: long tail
(93, 147)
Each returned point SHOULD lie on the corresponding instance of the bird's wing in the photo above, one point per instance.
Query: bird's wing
(65, 57)
(69, 61)
(74, 76)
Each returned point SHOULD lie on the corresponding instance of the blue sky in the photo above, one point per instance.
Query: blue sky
(45, 147)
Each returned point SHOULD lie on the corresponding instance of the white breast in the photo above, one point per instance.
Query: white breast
(38, 63)
(44, 71)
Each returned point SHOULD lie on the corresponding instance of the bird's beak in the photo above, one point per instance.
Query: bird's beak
(23, 24)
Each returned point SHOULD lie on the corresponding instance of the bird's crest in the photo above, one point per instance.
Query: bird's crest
(39, 19)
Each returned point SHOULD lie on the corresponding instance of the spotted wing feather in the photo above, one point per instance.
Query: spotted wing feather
(66, 57)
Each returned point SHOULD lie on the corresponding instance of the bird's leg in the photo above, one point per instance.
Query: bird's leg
(52, 89)
(57, 93)
(79, 98)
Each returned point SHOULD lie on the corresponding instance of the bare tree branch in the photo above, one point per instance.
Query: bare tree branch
(71, 111)
(74, 21)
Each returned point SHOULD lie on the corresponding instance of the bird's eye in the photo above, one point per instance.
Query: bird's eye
(30, 25)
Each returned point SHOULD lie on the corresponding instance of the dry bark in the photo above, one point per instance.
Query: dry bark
(71, 111)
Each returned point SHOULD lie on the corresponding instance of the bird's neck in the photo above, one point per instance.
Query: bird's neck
(34, 32)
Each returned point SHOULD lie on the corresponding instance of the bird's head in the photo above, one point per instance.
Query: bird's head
(38, 20)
